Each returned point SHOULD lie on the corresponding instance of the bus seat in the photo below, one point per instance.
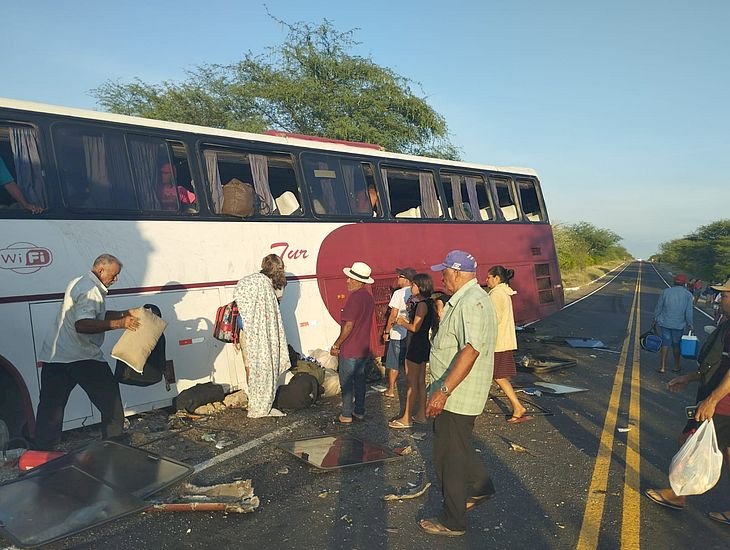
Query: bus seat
(534, 217)
(509, 212)
(484, 213)
(287, 203)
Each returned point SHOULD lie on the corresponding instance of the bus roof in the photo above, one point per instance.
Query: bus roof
(265, 138)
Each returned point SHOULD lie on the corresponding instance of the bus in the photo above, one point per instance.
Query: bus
(151, 193)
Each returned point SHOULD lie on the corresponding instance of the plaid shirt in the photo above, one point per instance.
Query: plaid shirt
(468, 318)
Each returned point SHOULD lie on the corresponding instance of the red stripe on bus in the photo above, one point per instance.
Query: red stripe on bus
(137, 290)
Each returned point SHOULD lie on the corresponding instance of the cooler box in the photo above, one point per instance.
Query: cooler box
(689, 346)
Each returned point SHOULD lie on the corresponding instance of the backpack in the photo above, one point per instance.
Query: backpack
(301, 392)
(227, 324)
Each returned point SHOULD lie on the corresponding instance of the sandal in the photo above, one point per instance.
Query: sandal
(518, 419)
(435, 527)
(722, 517)
(398, 425)
(473, 502)
(343, 420)
(657, 497)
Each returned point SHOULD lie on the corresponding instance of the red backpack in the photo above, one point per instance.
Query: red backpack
(227, 325)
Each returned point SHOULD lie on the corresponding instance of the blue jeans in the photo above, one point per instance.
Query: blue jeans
(352, 382)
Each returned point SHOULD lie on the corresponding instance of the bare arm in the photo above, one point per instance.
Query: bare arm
(461, 368)
(421, 310)
(706, 408)
(15, 192)
(345, 331)
(392, 314)
(112, 320)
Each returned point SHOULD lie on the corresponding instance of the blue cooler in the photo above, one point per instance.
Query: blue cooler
(689, 346)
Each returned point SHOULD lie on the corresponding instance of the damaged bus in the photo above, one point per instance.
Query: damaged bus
(151, 193)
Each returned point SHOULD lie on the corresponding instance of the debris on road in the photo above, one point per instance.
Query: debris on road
(236, 497)
(559, 389)
(409, 493)
(543, 364)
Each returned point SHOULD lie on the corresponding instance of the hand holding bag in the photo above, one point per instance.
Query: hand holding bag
(697, 466)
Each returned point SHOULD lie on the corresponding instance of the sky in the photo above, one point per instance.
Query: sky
(620, 106)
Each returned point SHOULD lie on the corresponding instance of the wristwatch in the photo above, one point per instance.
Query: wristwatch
(445, 390)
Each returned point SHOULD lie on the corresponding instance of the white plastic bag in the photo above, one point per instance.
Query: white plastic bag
(697, 466)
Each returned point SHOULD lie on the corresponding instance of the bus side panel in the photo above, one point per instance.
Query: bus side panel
(196, 355)
(307, 324)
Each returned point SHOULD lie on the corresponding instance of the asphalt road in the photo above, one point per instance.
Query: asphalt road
(576, 483)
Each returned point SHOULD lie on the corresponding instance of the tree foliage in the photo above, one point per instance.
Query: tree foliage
(582, 245)
(311, 84)
(704, 252)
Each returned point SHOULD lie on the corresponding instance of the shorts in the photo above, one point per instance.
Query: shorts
(670, 336)
(396, 356)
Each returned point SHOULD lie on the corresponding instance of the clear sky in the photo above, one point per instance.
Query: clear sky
(620, 106)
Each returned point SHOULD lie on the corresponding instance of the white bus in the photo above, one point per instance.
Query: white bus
(103, 181)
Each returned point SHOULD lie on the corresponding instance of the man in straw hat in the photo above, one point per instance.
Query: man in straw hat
(713, 399)
(462, 362)
(353, 344)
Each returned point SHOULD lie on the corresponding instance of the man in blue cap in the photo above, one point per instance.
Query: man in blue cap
(462, 362)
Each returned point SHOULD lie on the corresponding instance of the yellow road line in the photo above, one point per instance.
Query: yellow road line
(596, 498)
(631, 524)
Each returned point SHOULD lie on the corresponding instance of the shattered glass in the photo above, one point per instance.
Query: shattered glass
(337, 451)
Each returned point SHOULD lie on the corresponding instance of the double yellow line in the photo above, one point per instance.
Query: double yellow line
(596, 500)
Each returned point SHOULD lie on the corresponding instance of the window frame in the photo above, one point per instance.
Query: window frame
(538, 196)
(447, 171)
(434, 171)
(493, 178)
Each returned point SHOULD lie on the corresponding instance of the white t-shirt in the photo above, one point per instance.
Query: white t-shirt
(398, 301)
(84, 299)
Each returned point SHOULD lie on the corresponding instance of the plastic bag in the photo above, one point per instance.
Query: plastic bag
(697, 466)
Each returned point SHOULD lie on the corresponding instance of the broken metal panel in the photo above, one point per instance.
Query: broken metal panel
(584, 343)
(558, 389)
(337, 451)
(40, 509)
(128, 469)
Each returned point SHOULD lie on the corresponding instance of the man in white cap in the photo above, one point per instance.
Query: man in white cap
(462, 363)
(713, 399)
(352, 346)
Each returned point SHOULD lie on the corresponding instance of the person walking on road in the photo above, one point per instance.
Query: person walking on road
(352, 346)
(71, 354)
(462, 363)
(673, 314)
(394, 334)
(713, 399)
(501, 293)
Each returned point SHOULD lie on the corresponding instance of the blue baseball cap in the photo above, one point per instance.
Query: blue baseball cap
(458, 260)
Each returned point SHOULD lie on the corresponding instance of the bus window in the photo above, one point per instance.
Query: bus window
(467, 197)
(339, 186)
(21, 175)
(507, 203)
(94, 167)
(160, 171)
(272, 176)
(530, 201)
(412, 193)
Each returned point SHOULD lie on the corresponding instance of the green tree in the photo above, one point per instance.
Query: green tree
(582, 245)
(705, 252)
(311, 84)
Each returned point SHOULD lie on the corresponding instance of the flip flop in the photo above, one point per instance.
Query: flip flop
(721, 517)
(389, 395)
(435, 527)
(657, 497)
(419, 422)
(660, 371)
(473, 502)
(398, 425)
(518, 419)
(343, 420)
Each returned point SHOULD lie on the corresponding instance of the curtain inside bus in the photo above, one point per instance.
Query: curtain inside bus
(28, 173)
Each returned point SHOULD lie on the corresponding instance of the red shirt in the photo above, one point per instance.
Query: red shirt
(359, 309)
